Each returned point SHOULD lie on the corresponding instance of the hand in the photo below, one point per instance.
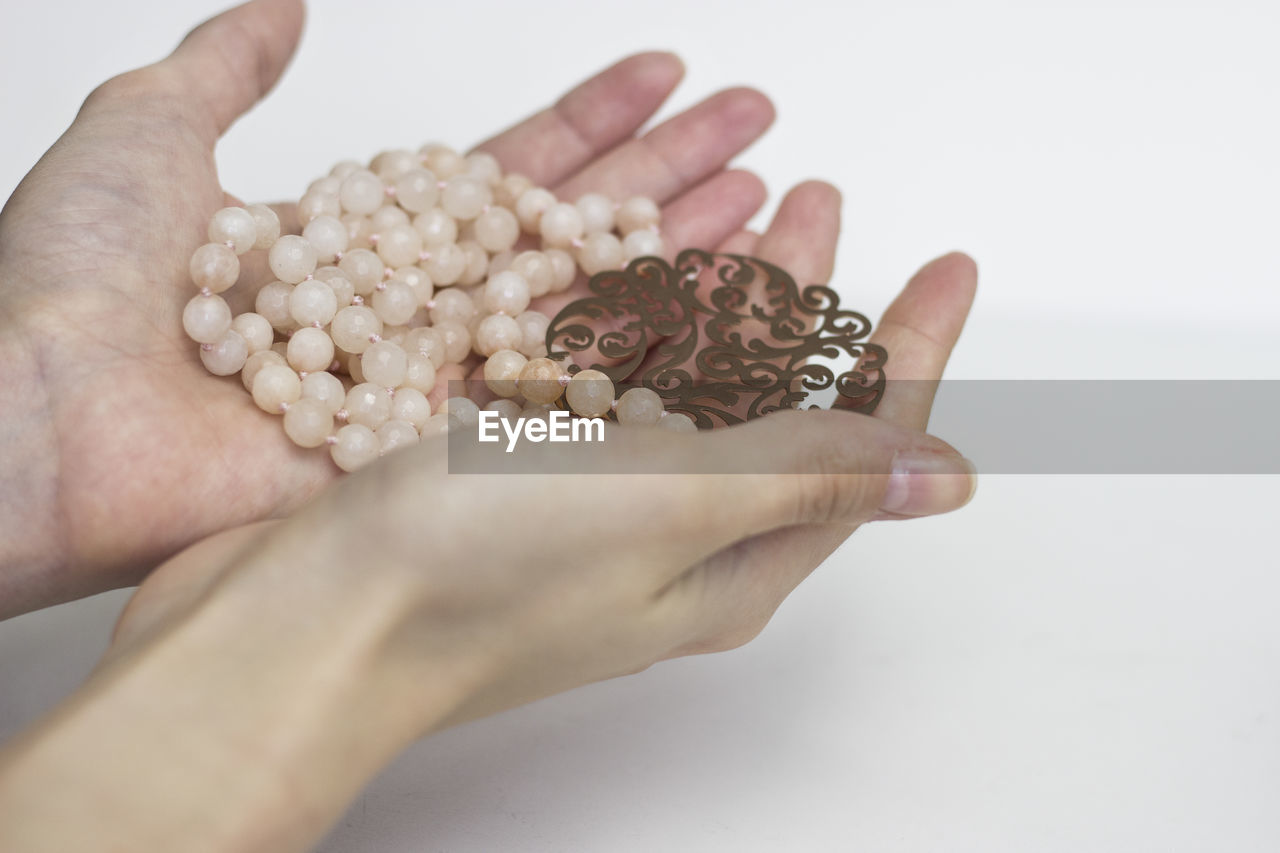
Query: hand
(118, 448)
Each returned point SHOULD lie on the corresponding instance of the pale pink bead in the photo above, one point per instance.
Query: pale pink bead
(324, 388)
(368, 404)
(309, 350)
(539, 381)
(417, 190)
(495, 332)
(639, 244)
(364, 269)
(313, 302)
(457, 341)
(328, 184)
(275, 385)
(385, 364)
(484, 166)
(396, 303)
(359, 230)
(506, 293)
(355, 447)
(206, 319)
(465, 197)
(395, 434)
(419, 282)
(467, 412)
(566, 269)
(391, 165)
(453, 305)
(477, 262)
(362, 192)
(533, 333)
(446, 264)
(420, 373)
(308, 422)
(561, 224)
(236, 226)
(637, 213)
(508, 410)
(443, 160)
(315, 203)
(678, 422)
(439, 424)
(509, 189)
(387, 217)
(600, 252)
(410, 404)
(497, 229)
(353, 326)
(345, 167)
(292, 258)
(266, 225)
(597, 213)
(226, 356)
(273, 303)
(399, 246)
(530, 207)
(256, 362)
(502, 369)
(639, 407)
(256, 331)
(343, 290)
(328, 236)
(214, 266)
(426, 341)
(436, 227)
(590, 393)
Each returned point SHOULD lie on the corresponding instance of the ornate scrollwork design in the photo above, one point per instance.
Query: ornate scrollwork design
(722, 338)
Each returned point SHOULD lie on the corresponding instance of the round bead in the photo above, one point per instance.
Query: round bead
(396, 303)
(637, 213)
(292, 259)
(312, 302)
(453, 305)
(639, 244)
(537, 269)
(502, 369)
(539, 381)
(388, 216)
(362, 192)
(590, 393)
(315, 203)
(410, 404)
(495, 332)
(530, 207)
(214, 266)
(477, 262)
(506, 293)
(597, 213)
(275, 385)
(352, 327)
(436, 227)
(256, 331)
(465, 197)
(508, 410)
(227, 356)
(343, 290)
(363, 268)
(385, 364)
(484, 166)
(368, 404)
(418, 281)
(467, 412)
(328, 236)
(561, 224)
(308, 422)
(600, 252)
(390, 165)
(274, 302)
(446, 264)
(395, 434)
(678, 422)
(420, 373)
(266, 225)
(356, 446)
(439, 424)
(400, 246)
(443, 160)
(417, 190)
(325, 388)
(509, 189)
(256, 362)
(497, 229)
(566, 269)
(533, 333)
(345, 167)
(639, 407)
(457, 341)
(327, 184)
(236, 226)
(310, 350)
(206, 319)
(426, 341)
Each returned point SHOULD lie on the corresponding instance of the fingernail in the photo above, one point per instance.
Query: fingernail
(923, 483)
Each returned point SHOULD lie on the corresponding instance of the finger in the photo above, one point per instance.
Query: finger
(678, 153)
(803, 234)
(712, 212)
(918, 330)
(227, 64)
(595, 116)
(741, 243)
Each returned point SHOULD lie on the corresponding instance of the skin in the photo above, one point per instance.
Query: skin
(268, 668)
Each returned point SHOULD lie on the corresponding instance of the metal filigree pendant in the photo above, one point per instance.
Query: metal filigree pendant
(722, 338)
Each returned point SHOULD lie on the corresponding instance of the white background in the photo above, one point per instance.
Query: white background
(1072, 662)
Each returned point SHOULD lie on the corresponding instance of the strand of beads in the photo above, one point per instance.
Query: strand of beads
(417, 260)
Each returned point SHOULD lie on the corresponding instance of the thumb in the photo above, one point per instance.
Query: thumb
(228, 63)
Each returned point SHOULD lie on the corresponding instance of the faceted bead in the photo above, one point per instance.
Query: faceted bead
(356, 446)
(236, 226)
(368, 404)
(312, 302)
(308, 422)
(266, 225)
(495, 332)
(637, 213)
(395, 434)
(328, 236)
(385, 364)
(353, 326)
(539, 381)
(640, 407)
(501, 370)
(206, 319)
(255, 330)
(310, 350)
(292, 259)
(214, 266)
(325, 388)
(227, 356)
(275, 385)
(590, 393)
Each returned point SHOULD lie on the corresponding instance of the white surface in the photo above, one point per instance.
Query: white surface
(1069, 664)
